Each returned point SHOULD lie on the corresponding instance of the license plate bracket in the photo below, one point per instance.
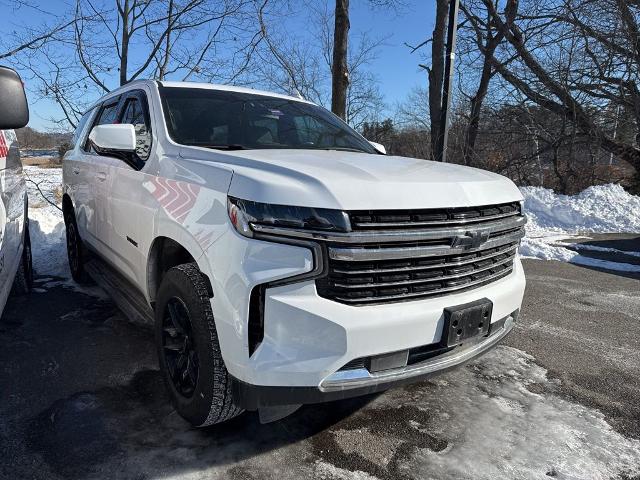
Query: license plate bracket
(467, 322)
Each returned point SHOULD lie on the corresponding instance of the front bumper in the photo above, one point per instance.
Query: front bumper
(352, 383)
(308, 339)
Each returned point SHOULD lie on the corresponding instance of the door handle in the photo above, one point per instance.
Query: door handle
(76, 170)
(102, 176)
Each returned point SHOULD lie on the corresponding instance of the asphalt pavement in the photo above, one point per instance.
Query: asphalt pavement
(81, 397)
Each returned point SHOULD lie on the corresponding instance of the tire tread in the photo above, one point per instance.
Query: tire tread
(222, 407)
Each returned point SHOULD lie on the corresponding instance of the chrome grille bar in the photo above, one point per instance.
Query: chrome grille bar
(395, 253)
(509, 250)
(422, 280)
(388, 298)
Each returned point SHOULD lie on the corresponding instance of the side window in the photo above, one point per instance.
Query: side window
(108, 114)
(81, 125)
(135, 113)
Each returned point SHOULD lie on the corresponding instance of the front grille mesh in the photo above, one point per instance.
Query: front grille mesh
(358, 282)
(411, 219)
(362, 282)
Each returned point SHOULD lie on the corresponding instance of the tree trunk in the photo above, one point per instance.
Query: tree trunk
(167, 49)
(474, 116)
(340, 69)
(124, 57)
(436, 72)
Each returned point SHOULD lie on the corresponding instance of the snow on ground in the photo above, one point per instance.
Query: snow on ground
(553, 218)
(46, 227)
(508, 423)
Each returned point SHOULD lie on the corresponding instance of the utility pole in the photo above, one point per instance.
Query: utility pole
(452, 31)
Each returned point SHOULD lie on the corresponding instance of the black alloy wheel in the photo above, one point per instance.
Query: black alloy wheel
(179, 347)
(190, 358)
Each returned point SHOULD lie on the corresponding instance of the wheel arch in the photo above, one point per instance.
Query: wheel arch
(167, 252)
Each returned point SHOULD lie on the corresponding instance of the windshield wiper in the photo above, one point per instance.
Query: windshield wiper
(345, 149)
(230, 146)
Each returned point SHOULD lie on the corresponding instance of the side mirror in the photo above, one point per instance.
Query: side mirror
(113, 139)
(14, 111)
(379, 147)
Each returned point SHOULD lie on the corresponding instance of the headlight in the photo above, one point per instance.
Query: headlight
(244, 213)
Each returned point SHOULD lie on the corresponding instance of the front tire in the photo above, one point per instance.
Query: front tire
(75, 249)
(188, 349)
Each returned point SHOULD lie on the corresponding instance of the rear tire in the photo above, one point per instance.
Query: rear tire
(188, 349)
(23, 283)
(75, 249)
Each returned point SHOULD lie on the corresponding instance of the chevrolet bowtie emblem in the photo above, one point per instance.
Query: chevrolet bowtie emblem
(470, 240)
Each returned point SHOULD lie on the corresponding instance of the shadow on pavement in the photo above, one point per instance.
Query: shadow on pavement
(85, 399)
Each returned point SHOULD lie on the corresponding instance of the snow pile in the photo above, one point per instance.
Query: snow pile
(599, 209)
(553, 217)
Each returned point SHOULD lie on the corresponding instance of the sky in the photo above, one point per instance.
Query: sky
(395, 67)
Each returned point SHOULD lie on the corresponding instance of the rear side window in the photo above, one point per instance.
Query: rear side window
(134, 113)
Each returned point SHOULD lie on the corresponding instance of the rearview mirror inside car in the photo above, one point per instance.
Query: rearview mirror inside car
(113, 139)
(14, 112)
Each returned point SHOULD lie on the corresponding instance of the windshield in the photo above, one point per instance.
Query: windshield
(235, 120)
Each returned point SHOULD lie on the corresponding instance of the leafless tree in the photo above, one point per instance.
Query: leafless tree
(604, 72)
(435, 68)
(108, 43)
(299, 67)
(482, 38)
(341, 64)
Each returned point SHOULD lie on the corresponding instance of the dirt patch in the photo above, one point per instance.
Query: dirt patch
(377, 440)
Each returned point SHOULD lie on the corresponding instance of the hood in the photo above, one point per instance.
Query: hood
(355, 181)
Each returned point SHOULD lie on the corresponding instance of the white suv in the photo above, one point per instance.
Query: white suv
(284, 259)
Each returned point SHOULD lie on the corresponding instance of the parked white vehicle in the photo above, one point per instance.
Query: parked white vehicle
(285, 260)
(15, 247)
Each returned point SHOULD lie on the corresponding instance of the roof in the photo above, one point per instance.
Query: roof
(229, 88)
(206, 86)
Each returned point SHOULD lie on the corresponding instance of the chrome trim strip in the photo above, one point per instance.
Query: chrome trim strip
(439, 291)
(432, 222)
(397, 253)
(361, 377)
(425, 267)
(359, 237)
(422, 280)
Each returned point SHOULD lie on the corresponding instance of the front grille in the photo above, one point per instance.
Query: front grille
(358, 283)
(430, 259)
(385, 219)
